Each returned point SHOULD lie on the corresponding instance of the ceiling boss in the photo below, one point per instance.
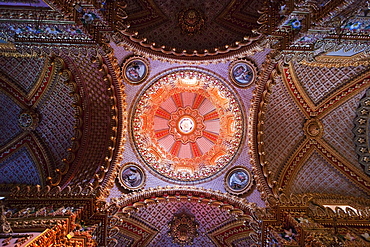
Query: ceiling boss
(187, 125)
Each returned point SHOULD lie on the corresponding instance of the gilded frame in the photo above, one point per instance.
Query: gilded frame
(238, 180)
(135, 70)
(131, 176)
(243, 73)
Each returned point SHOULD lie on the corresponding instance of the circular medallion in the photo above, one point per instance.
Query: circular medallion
(187, 125)
(238, 180)
(131, 176)
(242, 73)
(135, 70)
(28, 119)
(313, 128)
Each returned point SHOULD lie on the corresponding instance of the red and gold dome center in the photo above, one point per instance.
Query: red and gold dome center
(187, 125)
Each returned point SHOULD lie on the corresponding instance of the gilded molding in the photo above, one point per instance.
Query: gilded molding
(305, 150)
(312, 55)
(127, 203)
(327, 61)
(75, 141)
(329, 103)
(29, 14)
(362, 132)
(48, 192)
(104, 178)
(218, 57)
(260, 144)
(255, 130)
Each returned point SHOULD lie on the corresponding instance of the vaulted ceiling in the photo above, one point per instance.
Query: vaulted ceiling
(71, 116)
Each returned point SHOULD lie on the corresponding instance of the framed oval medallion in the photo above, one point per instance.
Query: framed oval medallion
(238, 180)
(242, 73)
(135, 70)
(131, 176)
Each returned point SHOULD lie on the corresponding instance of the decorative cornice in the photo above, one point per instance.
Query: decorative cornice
(104, 178)
(328, 104)
(222, 56)
(49, 192)
(256, 144)
(362, 132)
(75, 141)
(124, 205)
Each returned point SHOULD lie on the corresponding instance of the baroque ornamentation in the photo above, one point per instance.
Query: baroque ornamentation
(28, 119)
(313, 128)
(187, 125)
(131, 176)
(362, 132)
(191, 21)
(183, 229)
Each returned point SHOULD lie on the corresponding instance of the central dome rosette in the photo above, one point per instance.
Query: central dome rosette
(187, 125)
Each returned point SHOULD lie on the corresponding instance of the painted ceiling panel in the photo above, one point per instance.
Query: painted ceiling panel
(318, 176)
(23, 72)
(319, 82)
(340, 135)
(19, 168)
(9, 119)
(283, 127)
(193, 25)
(58, 119)
(160, 215)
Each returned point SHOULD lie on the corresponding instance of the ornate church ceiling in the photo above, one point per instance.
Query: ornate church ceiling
(202, 112)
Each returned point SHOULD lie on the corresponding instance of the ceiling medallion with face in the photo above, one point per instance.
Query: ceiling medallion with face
(187, 125)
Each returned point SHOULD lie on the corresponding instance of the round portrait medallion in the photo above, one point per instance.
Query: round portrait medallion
(187, 125)
(238, 180)
(242, 73)
(131, 176)
(135, 70)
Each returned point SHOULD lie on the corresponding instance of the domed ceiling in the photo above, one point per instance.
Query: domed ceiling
(194, 25)
(187, 125)
(180, 141)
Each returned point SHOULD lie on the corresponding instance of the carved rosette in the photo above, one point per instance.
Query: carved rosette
(313, 128)
(28, 119)
(183, 229)
(191, 21)
(187, 125)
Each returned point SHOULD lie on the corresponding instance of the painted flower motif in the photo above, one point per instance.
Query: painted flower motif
(355, 26)
(289, 234)
(303, 220)
(296, 24)
(349, 237)
(366, 236)
(88, 17)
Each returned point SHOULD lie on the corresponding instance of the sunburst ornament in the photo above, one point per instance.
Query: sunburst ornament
(191, 21)
(183, 229)
(187, 125)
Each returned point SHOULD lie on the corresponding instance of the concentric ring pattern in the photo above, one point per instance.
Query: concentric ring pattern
(187, 125)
